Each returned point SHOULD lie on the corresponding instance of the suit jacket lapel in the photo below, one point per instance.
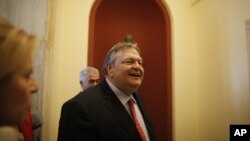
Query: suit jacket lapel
(145, 117)
(119, 111)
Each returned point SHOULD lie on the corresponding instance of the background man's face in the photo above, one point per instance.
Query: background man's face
(92, 80)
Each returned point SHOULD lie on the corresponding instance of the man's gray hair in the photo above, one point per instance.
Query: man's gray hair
(111, 55)
(85, 71)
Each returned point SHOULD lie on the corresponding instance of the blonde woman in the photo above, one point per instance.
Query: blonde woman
(16, 80)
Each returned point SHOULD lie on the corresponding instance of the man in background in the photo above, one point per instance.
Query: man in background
(89, 77)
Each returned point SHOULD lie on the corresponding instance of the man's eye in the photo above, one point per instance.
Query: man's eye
(93, 81)
(129, 62)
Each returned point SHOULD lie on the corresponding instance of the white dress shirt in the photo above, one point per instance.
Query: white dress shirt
(124, 100)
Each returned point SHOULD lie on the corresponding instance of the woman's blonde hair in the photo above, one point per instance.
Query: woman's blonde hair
(16, 47)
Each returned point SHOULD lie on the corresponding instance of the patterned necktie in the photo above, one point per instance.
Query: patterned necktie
(138, 126)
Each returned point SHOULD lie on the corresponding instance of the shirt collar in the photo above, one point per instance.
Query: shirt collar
(119, 94)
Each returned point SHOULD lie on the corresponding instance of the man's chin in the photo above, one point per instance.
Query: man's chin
(135, 85)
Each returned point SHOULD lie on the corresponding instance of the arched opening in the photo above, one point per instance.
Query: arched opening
(149, 23)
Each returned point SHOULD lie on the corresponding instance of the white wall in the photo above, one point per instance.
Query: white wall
(184, 71)
(69, 56)
(210, 72)
(211, 86)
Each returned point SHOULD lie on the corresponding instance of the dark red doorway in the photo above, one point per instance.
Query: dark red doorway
(149, 23)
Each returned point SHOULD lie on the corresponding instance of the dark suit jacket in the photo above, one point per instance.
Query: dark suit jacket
(96, 114)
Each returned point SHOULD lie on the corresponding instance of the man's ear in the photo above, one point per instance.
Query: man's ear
(109, 70)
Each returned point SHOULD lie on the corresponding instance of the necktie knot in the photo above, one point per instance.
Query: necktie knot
(131, 102)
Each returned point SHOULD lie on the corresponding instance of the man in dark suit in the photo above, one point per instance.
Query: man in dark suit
(104, 112)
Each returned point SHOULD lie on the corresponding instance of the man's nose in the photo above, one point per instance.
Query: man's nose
(96, 82)
(137, 64)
